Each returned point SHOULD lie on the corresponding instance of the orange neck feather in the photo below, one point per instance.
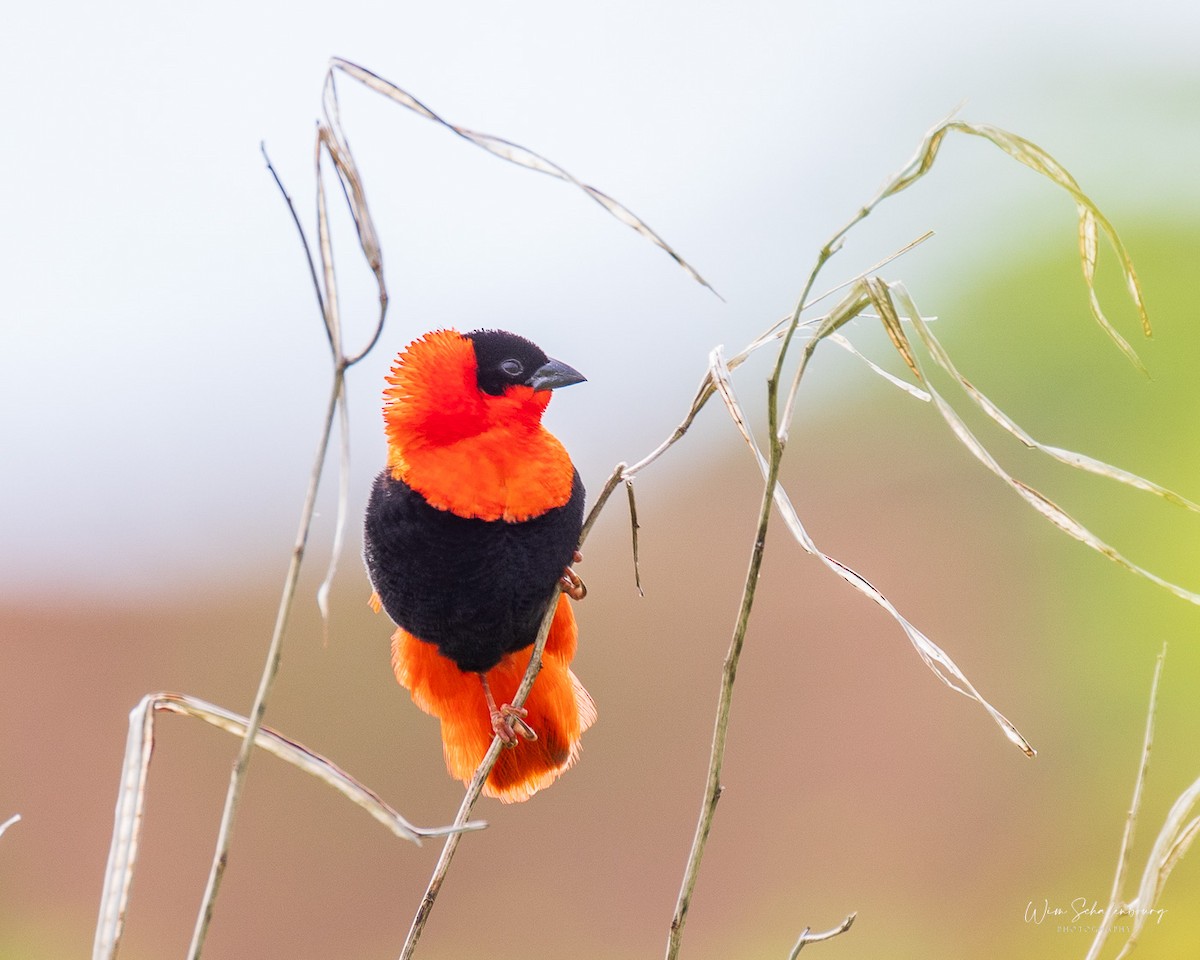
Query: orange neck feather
(466, 451)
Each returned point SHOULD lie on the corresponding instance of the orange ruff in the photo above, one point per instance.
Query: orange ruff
(464, 451)
(559, 709)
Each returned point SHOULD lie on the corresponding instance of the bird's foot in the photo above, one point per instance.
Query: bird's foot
(572, 584)
(509, 721)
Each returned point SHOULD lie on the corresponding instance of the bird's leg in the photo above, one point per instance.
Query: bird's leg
(507, 720)
(572, 584)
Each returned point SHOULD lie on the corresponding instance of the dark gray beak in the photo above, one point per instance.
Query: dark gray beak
(554, 373)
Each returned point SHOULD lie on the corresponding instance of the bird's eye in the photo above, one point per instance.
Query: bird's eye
(512, 367)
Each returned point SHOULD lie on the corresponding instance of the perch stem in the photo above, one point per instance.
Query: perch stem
(266, 681)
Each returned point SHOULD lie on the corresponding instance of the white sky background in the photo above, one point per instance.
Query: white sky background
(163, 368)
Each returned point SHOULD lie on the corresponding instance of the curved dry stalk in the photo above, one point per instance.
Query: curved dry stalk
(934, 657)
(507, 150)
(881, 295)
(718, 377)
(15, 818)
(634, 526)
(1176, 836)
(131, 798)
(308, 257)
(1090, 217)
(326, 144)
(1070, 458)
(806, 937)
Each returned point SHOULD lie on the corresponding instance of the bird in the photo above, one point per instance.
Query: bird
(471, 530)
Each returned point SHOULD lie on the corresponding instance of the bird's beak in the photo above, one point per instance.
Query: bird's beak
(554, 373)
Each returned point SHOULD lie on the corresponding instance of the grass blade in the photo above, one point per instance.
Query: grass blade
(904, 385)
(934, 657)
(1070, 458)
(1041, 503)
(1091, 219)
(131, 798)
(513, 153)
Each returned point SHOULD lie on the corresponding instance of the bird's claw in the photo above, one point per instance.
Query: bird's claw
(572, 583)
(509, 721)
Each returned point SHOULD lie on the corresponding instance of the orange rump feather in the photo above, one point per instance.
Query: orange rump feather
(560, 709)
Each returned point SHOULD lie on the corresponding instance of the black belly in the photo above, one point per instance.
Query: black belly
(476, 588)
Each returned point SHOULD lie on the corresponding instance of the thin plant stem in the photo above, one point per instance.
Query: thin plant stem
(716, 760)
(633, 530)
(327, 299)
(475, 788)
(1115, 901)
(270, 670)
(308, 257)
(713, 786)
(807, 937)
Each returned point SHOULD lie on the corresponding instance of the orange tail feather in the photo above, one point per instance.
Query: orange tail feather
(560, 709)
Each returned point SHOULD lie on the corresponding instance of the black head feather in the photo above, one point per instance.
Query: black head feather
(504, 360)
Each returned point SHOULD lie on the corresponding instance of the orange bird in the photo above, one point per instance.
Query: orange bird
(469, 529)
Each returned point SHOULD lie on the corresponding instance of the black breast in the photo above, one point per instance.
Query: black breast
(476, 588)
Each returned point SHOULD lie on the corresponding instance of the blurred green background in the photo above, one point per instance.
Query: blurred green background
(160, 419)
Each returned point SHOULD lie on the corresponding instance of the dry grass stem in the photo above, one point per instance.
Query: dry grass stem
(915, 392)
(1178, 832)
(329, 143)
(1068, 457)
(807, 938)
(1139, 785)
(633, 531)
(882, 295)
(1176, 836)
(713, 787)
(15, 818)
(512, 152)
(1031, 155)
(131, 798)
(266, 682)
(475, 788)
